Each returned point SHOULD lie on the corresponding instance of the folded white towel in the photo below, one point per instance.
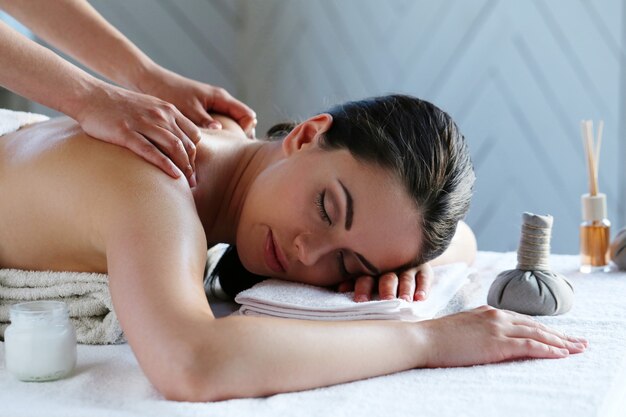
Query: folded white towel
(86, 295)
(300, 301)
(11, 120)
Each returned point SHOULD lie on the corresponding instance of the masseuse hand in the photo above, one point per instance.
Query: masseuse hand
(487, 335)
(148, 126)
(412, 284)
(194, 99)
(158, 125)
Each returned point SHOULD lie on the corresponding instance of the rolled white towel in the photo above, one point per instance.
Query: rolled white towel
(279, 298)
(11, 120)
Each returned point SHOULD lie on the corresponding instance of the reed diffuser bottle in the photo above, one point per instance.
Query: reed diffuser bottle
(595, 228)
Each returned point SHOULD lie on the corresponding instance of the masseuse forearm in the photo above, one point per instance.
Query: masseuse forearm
(77, 29)
(37, 73)
(261, 356)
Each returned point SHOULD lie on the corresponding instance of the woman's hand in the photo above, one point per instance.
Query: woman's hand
(148, 126)
(194, 99)
(411, 285)
(486, 335)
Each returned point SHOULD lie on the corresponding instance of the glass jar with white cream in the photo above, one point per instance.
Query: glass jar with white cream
(40, 343)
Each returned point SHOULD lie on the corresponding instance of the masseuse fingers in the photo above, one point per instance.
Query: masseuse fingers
(144, 148)
(181, 129)
(363, 288)
(424, 277)
(388, 286)
(189, 146)
(202, 118)
(223, 102)
(171, 146)
(189, 129)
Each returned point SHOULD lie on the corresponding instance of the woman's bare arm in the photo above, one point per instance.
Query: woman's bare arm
(156, 251)
(155, 254)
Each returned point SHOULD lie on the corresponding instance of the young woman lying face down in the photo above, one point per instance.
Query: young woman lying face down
(369, 187)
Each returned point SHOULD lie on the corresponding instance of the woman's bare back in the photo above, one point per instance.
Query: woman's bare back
(57, 185)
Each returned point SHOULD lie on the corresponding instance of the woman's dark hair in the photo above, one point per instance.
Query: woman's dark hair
(418, 143)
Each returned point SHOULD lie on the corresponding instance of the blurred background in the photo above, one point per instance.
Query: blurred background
(517, 76)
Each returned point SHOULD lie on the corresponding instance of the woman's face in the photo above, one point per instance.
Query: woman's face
(321, 217)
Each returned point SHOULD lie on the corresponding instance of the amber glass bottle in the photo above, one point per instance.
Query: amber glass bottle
(595, 234)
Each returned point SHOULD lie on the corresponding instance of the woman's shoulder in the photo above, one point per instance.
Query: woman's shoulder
(61, 151)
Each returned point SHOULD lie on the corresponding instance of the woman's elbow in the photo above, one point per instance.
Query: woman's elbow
(182, 372)
(186, 386)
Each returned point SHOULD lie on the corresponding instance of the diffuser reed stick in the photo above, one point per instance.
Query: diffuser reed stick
(595, 229)
(592, 153)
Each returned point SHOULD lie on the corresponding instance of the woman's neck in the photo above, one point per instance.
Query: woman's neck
(226, 167)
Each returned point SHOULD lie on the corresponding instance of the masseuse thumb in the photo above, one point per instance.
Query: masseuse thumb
(203, 119)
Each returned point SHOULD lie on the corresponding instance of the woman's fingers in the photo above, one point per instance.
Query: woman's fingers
(487, 335)
(424, 280)
(530, 348)
(521, 319)
(388, 286)
(530, 338)
(547, 337)
(363, 288)
(412, 284)
(406, 284)
(346, 286)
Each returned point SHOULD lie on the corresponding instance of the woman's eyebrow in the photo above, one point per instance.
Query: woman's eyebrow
(349, 206)
(348, 225)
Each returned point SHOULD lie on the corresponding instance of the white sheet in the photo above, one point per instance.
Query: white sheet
(108, 381)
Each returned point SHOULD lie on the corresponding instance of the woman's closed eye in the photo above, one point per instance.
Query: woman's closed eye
(319, 202)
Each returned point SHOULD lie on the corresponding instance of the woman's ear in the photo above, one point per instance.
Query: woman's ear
(307, 134)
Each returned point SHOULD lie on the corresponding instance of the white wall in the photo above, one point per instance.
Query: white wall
(518, 76)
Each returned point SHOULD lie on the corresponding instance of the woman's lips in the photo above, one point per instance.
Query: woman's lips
(272, 254)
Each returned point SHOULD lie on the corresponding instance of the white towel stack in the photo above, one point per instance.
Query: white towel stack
(300, 301)
(86, 295)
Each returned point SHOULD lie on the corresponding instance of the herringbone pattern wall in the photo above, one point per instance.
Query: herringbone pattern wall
(518, 76)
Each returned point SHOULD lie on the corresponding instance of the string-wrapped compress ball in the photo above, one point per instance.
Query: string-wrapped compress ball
(618, 249)
(532, 288)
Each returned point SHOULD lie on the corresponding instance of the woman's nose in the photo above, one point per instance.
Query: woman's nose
(311, 248)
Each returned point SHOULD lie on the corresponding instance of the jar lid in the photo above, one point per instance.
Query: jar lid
(39, 311)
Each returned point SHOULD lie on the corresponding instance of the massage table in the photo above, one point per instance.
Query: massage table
(108, 381)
